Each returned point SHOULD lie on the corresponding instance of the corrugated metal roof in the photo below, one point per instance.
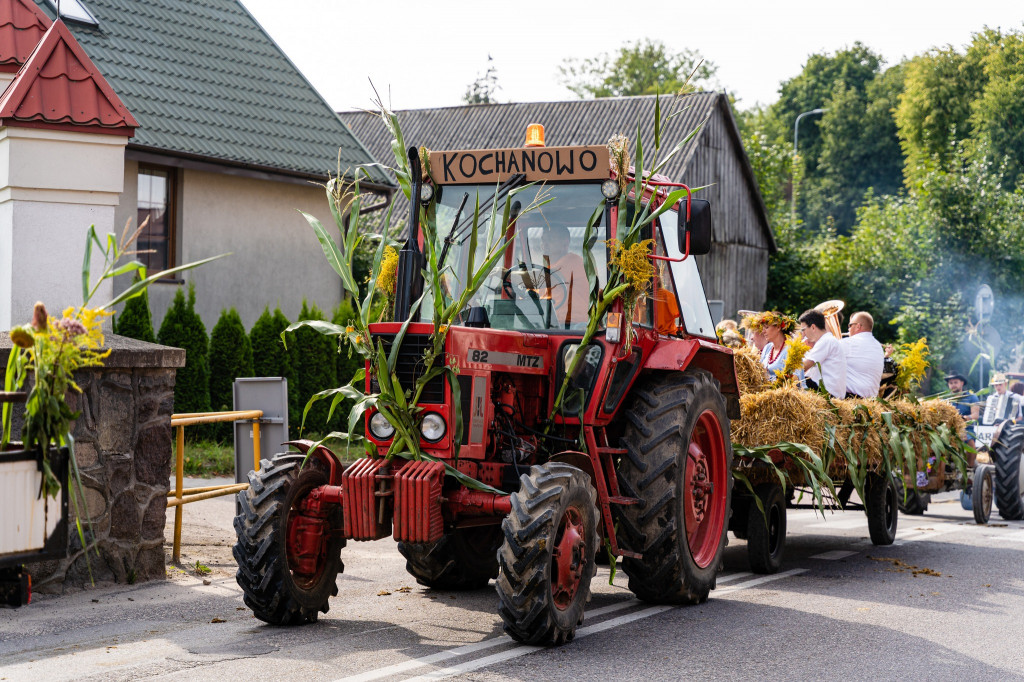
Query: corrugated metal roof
(576, 122)
(22, 26)
(205, 80)
(59, 85)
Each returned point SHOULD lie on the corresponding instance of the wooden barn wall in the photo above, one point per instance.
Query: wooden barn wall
(736, 270)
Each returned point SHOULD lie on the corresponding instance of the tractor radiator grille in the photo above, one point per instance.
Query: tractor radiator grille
(410, 366)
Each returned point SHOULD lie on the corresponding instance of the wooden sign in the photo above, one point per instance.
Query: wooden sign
(481, 166)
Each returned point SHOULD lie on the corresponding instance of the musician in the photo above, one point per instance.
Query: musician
(864, 357)
(960, 400)
(826, 353)
(1000, 405)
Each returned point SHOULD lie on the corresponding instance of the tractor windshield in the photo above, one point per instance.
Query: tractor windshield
(540, 282)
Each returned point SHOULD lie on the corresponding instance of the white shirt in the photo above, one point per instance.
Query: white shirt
(864, 360)
(828, 353)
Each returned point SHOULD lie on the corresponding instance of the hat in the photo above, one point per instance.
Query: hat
(998, 378)
(956, 375)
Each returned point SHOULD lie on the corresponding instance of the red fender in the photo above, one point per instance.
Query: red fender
(329, 459)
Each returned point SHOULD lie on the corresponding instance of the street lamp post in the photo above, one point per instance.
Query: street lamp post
(796, 137)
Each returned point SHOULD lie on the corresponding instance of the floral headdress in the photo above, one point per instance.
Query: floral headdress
(770, 318)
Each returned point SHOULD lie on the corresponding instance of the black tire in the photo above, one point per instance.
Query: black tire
(766, 532)
(553, 497)
(982, 492)
(738, 517)
(1006, 455)
(464, 559)
(914, 502)
(270, 588)
(882, 508)
(661, 424)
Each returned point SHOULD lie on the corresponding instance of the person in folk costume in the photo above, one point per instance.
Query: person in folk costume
(774, 327)
(1001, 405)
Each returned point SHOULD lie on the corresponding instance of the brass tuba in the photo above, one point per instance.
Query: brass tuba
(830, 309)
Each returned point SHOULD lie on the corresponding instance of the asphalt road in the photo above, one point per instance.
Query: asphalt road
(944, 602)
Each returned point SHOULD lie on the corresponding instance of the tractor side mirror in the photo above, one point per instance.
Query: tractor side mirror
(698, 227)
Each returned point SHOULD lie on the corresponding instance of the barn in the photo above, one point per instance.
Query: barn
(736, 270)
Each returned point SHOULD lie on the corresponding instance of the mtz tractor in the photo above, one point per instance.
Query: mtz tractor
(636, 463)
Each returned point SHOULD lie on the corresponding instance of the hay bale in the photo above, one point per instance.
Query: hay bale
(936, 411)
(750, 372)
(782, 415)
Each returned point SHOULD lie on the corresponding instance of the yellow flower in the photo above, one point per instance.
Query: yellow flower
(349, 329)
(22, 336)
(634, 263)
(911, 363)
(388, 275)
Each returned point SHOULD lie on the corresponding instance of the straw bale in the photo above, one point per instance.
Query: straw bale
(750, 372)
(935, 412)
(788, 414)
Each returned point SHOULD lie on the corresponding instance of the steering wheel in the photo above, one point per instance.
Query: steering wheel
(525, 282)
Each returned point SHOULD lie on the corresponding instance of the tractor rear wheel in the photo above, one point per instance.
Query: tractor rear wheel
(766, 531)
(547, 557)
(464, 559)
(882, 508)
(678, 462)
(1009, 480)
(279, 587)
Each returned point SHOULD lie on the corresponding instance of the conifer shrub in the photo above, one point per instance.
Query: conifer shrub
(136, 321)
(316, 368)
(230, 358)
(183, 328)
(270, 358)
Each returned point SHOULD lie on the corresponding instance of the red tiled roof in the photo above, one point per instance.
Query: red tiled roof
(22, 25)
(59, 86)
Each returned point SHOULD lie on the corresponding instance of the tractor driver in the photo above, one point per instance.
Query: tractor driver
(568, 267)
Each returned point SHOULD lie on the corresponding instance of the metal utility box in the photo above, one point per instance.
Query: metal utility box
(269, 394)
(717, 309)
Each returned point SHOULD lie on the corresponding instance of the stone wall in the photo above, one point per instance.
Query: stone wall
(123, 448)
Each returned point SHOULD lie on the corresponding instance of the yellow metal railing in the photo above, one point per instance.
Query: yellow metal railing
(182, 496)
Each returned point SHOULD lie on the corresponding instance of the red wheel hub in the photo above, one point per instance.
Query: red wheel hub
(568, 558)
(704, 493)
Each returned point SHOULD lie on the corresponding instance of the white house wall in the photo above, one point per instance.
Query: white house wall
(275, 258)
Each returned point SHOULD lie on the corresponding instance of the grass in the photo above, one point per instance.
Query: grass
(207, 459)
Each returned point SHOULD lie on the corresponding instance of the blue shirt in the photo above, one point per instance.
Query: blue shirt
(963, 404)
(779, 362)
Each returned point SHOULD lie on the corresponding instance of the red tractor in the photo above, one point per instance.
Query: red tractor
(637, 463)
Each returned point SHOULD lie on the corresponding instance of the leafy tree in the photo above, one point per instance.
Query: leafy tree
(270, 358)
(484, 89)
(316, 366)
(135, 321)
(645, 67)
(230, 358)
(183, 328)
(997, 114)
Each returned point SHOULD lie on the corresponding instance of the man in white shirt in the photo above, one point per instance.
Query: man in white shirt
(864, 357)
(1001, 405)
(826, 353)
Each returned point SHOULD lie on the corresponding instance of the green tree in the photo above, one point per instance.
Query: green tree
(230, 358)
(135, 321)
(997, 114)
(316, 366)
(183, 328)
(645, 67)
(484, 89)
(270, 358)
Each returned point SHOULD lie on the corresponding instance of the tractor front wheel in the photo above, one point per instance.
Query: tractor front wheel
(464, 559)
(285, 578)
(547, 557)
(678, 462)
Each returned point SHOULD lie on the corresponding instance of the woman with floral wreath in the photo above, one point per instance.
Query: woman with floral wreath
(775, 326)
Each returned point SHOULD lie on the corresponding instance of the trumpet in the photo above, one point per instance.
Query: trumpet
(830, 309)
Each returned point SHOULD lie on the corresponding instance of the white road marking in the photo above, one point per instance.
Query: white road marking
(834, 555)
(522, 650)
(1016, 536)
(927, 534)
(729, 577)
(846, 524)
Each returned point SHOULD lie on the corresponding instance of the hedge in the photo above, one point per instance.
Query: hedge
(135, 321)
(316, 367)
(270, 358)
(230, 358)
(183, 328)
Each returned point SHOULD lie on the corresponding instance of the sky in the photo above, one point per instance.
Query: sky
(425, 54)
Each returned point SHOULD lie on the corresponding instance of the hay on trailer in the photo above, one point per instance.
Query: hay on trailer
(782, 415)
(750, 372)
(935, 412)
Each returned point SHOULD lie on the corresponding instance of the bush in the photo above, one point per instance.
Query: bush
(270, 358)
(183, 328)
(230, 358)
(135, 321)
(349, 363)
(316, 367)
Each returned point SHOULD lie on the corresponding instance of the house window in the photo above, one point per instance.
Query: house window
(156, 202)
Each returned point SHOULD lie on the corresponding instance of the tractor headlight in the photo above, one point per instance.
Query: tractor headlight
(610, 189)
(426, 192)
(433, 427)
(380, 427)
